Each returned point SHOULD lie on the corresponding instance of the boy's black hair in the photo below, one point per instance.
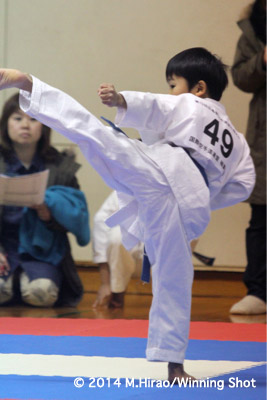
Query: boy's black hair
(197, 64)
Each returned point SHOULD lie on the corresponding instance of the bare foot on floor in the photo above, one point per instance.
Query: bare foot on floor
(176, 372)
(116, 300)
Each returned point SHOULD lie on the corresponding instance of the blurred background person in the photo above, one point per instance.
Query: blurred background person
(249, 75)
(116, 264)
(40, 275)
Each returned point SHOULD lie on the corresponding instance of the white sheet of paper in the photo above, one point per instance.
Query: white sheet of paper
(23, 190)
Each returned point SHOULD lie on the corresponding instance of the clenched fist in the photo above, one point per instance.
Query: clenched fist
(110, 97)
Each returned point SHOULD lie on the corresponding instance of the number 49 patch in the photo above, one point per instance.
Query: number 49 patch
(212, 130)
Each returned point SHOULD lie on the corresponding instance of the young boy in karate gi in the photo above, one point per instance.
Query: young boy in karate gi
(191, 161)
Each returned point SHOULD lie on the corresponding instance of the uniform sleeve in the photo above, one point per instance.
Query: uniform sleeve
(151, 114)
(248, 71)
(239, 187)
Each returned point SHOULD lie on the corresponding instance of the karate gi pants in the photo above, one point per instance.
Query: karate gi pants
(134, 172)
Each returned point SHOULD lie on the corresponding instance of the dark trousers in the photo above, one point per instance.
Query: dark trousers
(255, 274)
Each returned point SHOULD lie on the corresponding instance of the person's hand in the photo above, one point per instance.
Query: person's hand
(110, 97)
(13, 78)
(103, 296)
(4, 266)
(43, 212)
(265, 56)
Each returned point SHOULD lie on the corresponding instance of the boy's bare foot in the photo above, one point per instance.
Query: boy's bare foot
(176, 372)
(13, 78)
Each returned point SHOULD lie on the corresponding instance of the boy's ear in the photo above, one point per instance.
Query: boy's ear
(200, 89)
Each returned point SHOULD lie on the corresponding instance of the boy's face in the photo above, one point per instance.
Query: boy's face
(178, 85)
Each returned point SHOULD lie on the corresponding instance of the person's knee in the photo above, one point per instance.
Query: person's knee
(6, 290)
(40, 292)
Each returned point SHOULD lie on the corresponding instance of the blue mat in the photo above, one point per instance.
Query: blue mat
(58, 388)
(233, 386)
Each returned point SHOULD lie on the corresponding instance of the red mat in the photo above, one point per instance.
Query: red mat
(127, 328)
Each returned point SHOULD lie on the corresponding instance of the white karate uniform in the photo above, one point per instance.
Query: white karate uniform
(108, 248)
(163, 199)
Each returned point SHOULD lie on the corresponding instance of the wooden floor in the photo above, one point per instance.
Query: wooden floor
(213, 295)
